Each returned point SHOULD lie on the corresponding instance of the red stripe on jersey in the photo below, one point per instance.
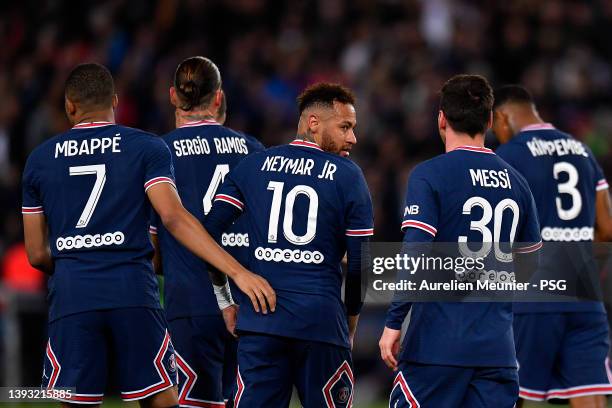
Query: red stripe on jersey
(231, 200)
(359, 232)
(305, 144)
(420, 225)
(477, 149)
(200, 123)
(158, 180)
(538, 126)
(31, 210)
(528, 249)
(89, 125)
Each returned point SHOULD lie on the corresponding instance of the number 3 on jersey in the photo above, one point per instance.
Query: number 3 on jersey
(313, 206)
(569, 187)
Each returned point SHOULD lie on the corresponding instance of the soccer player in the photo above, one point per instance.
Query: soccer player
(461, 354)
(87, 196)
(305, 205)
(561, 347)
(203, 153)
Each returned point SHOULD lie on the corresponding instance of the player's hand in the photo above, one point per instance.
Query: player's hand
(229, 317)
(389, 347)
(258, 290)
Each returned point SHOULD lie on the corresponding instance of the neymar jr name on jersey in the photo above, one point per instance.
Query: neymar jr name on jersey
(299, 166)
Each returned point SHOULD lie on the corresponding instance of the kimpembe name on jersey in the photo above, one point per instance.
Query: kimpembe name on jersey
(199, 145)
(302, 166)
(94, 145)
(557, 147)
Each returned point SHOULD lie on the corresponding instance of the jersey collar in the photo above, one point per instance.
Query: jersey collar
(200, 123)
(476, 149)
(538, 126)
(304, 143)
(91, 125)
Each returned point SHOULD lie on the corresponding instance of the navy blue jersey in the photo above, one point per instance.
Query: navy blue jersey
(468, 195)
(301, 205)
(203, 152)
(564, 178)
(90, 182)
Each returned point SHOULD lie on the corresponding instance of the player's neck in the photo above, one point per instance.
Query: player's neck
(455, 140)
(522, 121)
(183, 117)
(107, 115)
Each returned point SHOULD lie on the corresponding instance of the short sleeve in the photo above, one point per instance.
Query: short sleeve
(158, 164)
(422, 208)
(600, 179)
(359, 216)
(529, 238)
(31, 198)
(230, 193)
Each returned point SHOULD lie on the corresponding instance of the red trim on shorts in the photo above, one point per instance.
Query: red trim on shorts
(161, 370)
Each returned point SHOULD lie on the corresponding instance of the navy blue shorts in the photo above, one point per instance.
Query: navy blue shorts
(134, 340)
(206, 357)
(562, 355)
(424, 385)
(270, 366)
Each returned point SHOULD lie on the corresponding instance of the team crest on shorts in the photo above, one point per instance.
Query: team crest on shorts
(343, 394)
(172, 363)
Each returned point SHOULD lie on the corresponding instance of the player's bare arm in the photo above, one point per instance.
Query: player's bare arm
(188, 230)
(603, 216)
(157, 261)
(37, 243)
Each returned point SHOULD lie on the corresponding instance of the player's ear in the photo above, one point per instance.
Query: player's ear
(173, 98)
(115, 101)
(313, 123)
(442, 125)
(218, 97)
(70, 107)
(490, 122)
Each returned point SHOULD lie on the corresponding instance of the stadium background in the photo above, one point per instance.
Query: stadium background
(394, 54)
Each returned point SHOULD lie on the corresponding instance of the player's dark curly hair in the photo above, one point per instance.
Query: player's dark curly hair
(196, 80)
(511, 94)
(90, 86)
(466, 101)
(324, 94)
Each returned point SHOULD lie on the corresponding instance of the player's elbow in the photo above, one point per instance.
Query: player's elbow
(38, 258)
(172, 219)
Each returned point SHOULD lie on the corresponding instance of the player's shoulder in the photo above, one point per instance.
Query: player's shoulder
(432, 168)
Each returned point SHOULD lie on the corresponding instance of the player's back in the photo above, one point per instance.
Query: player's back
(564, 178)
(91, 184)
(300, 203)
(471, 197)
(203, 152)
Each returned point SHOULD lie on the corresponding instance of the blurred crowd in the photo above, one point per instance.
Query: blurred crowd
(395, 55)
